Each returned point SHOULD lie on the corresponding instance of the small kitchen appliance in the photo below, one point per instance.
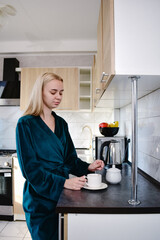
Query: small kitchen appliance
(104, 146)
(110, 152)
(6, 201)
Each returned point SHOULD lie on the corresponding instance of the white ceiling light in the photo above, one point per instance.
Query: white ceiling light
(5, 11)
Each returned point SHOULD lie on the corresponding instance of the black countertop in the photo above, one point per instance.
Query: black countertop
(114, 199)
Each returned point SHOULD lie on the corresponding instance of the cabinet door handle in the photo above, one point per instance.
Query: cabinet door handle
(103, 75)
(98, 90)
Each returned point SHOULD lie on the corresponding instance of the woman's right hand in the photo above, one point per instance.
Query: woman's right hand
(75, 183)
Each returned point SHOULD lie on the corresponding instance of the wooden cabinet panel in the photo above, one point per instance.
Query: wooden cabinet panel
(70, 81)
(108, 37)
(70, 78)
(95, 87)
(97, 65)
(28, 78)
(99, 45)
(105, 62)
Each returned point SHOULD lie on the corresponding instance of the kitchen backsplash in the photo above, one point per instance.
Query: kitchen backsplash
(82, 125)
(148, 132)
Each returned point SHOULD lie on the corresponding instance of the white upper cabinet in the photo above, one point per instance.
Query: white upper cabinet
(129, 45)
(137, 37)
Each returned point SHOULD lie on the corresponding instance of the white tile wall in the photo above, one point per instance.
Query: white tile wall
(8, 120)
(76, 121)
(148, 132)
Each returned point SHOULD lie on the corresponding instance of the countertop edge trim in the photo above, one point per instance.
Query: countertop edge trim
(113, 210)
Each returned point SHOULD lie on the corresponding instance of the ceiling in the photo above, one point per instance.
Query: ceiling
(50, 25)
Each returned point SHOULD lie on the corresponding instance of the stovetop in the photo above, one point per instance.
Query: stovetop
(7, 152)
(6, 158)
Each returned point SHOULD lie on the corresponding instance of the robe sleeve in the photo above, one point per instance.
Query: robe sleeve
(76, 165)
(45, 183)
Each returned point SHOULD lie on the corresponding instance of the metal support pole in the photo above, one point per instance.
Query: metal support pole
(133, 200)
(60, 227)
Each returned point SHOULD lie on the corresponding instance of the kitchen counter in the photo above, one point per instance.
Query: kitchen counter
(114, 199)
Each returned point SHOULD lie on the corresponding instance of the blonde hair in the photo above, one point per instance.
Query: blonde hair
(35, 105)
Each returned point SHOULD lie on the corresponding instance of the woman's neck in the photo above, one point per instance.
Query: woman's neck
(46, 115)
(49, 119)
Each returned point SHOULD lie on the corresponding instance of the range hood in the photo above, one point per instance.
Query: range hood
(10, 85)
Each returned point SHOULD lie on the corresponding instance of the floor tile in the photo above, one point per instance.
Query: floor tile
(17, 229)
(11, 238)
(27, 236)
(2, 225)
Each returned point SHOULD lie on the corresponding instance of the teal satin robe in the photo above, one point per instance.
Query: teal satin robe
(46, 159)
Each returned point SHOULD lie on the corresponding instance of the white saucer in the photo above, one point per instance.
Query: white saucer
(103, 186)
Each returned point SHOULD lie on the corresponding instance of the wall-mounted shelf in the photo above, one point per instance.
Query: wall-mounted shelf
(85, 88)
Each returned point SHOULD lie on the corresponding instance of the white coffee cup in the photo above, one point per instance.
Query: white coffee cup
(94, 180)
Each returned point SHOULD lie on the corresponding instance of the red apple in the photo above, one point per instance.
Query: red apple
(104, 124)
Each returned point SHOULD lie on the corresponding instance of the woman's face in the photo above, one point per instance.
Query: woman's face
(52, 93)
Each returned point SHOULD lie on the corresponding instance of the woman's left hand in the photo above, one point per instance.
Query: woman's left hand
(96, 165)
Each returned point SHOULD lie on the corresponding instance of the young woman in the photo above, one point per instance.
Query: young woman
(47, 156)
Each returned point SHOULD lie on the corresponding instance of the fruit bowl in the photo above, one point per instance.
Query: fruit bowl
(109, 131)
